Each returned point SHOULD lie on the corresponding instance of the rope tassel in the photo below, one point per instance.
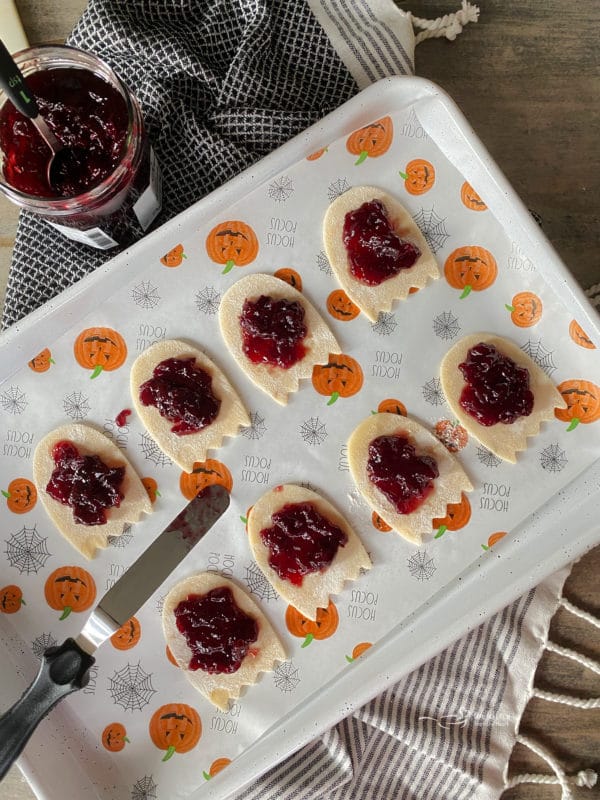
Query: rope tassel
(448, 26)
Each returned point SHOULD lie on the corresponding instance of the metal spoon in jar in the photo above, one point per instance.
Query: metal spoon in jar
(16, 89)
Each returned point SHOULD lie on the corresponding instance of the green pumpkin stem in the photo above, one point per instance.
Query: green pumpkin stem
(441, 531)
(466, 292)
(485, 547)
(52, 361)
(97, 370)
(125, 739)
(574, 423)
(403, 175)
(206, 776)
(349, 659)
(228, 267)
(6, 494)
(183, 255)
(362, 157)
(333, 398)
(509, 308)
(169, 753)
(23, 603)
(66, 611)
(244, 519)
(308, 640)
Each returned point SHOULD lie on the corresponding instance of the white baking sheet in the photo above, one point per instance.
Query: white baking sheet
(414, 600)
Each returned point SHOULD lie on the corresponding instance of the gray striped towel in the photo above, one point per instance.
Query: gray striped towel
(222, 83)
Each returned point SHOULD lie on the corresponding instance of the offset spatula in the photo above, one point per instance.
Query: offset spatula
(65, 668)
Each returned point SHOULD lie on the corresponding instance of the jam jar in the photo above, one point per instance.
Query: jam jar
(108, 190)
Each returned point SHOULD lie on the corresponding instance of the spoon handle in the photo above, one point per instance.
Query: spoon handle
(13, 83)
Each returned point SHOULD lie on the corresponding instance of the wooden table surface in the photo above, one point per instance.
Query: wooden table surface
(526, 76)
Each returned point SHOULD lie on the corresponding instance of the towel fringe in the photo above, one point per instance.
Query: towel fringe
(585, 778)
(449, 26)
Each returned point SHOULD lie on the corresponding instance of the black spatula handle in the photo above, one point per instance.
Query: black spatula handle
(13, 83)
(64, 670)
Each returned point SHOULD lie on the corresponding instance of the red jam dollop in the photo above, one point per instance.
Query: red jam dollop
(273, 331)
(217, 631)
(87, 115)
(121, 418)
(404, 477)
(375, 252)
(182, 393)
(301, 541)
(85, 483)
(497, 389)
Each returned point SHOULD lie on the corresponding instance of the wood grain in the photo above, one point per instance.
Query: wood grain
(526, 76)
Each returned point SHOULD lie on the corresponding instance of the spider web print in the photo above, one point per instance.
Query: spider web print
(258, 584)
(553, 458)
(313, 431)
(145, 295)
(13, 400)
(337, 188)
(487, 458)
(432, 392)
(152, 452)
(41, 643)
(446, 325)
(124, 539)
(433, 228)
(323, 263)
(257, 427)
(131, 687)
(281, 189)
(540, 354)
(421, 566)
(386, 324)
(26, 550)
(412, 128)
(207, 300)
(144, 789)
(286, 677)
(76, 405)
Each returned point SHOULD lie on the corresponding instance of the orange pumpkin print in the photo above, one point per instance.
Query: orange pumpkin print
(323, 627)
(341, 307)
(175, 256)
(317, 154)
(175, 728)
(451, 434)
(493, 539)
(217, 765)
(579, 336)
(470, 198)
(372, 140)
(170, 656)
(525, 309)
(114, 737)
(342, 376)
(290, 276)
(41, 362)
(392, 406)
(128, 635)
(358, 650)
(379, 524)
(204, 474)
(21, 495)
(583, 403)
(70, 589)
(232, 243)
(471, 269)
(11, 599)
(457, 516)
(100, 349)
(151, 486)
(418, 176)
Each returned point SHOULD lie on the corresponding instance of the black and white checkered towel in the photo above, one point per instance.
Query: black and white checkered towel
(222, 83)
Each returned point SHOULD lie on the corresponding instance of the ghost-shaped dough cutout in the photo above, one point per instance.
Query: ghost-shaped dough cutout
(448, 487)
(187, 448)
(89, 442)
(262, 654)
(319, 342)
(505, 440)
(373, 300)
(316, 587)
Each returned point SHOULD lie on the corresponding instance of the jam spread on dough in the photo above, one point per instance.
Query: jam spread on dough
(301, 541)
(273, 331)
(182, 393)
(375, 252)
(405, 477)
(85, 483)
(217, 631)
(497, 389)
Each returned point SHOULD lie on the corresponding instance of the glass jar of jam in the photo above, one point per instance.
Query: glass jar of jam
(108, 190)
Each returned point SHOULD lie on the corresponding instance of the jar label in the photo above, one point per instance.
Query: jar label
(149, 202)
(94, 237)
